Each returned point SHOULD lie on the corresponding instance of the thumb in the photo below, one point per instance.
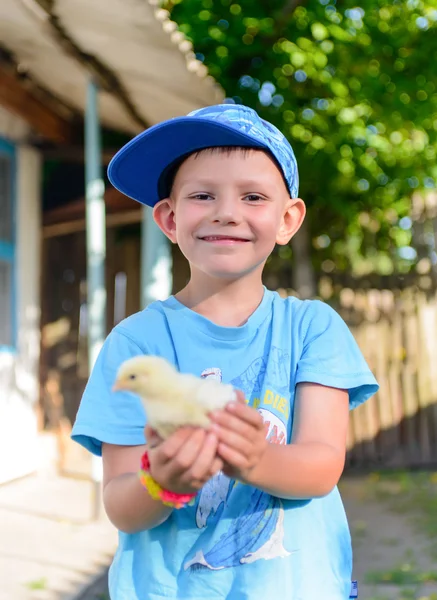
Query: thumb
(152, 438)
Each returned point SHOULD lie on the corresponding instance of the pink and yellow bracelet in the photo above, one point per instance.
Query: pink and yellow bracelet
(156, 491)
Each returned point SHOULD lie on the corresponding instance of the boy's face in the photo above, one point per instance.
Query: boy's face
(228, 210)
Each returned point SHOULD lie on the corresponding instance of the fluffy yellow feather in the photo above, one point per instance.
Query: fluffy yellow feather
(171, 399)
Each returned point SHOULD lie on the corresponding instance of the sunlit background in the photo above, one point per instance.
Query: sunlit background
(354, 89)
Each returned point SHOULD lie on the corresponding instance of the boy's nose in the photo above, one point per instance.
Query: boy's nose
(227, 211)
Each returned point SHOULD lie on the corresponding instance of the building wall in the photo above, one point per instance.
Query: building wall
(19, 387)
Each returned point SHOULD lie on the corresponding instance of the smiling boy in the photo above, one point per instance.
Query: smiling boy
(267, 520)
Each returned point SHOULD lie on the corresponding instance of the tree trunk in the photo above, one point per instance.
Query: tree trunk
(303, 275)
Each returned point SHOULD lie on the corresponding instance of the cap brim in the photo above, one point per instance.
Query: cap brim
(136, 168)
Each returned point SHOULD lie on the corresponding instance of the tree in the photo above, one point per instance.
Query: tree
(355, 91)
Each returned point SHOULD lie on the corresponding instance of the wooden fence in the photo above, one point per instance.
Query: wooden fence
(396, 330)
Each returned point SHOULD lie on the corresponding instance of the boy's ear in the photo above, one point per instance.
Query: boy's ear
(163, 214)
(291, 221)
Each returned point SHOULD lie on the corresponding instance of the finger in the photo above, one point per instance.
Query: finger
(240, 396)
(234, 439)
(232, 457)
(216, 466)
(198, 484)
(187, 453)
(172, 445)
(246, 413)
(201, 466)
(224, 421)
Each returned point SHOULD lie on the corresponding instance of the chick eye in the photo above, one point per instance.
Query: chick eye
(132, 376)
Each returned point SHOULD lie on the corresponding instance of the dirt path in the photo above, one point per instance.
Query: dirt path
(394, 558)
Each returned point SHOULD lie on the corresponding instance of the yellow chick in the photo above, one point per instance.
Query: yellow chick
(171, 399)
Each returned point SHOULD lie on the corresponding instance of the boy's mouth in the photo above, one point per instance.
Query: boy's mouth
(223, 239)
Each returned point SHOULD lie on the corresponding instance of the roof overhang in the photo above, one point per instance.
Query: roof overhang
(145, 68)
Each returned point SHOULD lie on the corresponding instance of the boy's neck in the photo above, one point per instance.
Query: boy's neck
(225, 303)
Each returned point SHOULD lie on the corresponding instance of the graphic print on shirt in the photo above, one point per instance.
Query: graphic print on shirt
(258, 531)
(277, 365)
(215, 492)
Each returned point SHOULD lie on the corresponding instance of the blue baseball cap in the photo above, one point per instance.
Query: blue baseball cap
(139, 169)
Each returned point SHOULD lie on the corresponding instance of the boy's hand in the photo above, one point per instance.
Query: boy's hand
(185, 461)
(242, 438)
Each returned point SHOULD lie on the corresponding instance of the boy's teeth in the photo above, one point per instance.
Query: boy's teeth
(218, 237)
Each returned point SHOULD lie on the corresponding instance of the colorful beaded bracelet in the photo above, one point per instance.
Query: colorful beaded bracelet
(156, 491)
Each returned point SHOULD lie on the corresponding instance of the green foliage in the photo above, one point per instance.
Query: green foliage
(355, 91)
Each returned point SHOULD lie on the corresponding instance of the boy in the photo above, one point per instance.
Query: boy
(267, 521)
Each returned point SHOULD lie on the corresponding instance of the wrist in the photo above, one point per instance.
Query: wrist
(159, 492)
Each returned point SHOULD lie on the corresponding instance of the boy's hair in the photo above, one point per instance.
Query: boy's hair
(168, 176)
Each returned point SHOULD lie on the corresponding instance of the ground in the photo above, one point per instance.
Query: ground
(393, 521)
(50, 547)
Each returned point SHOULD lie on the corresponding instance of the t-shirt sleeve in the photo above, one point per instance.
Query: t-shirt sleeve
(331, 356)
(107, 416)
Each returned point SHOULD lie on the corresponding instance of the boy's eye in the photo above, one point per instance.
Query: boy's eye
(253, 197)
(201, 196)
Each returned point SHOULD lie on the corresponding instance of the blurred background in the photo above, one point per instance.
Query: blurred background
(354, 88)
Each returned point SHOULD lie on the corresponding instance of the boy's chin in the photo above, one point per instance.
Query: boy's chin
(231, 272)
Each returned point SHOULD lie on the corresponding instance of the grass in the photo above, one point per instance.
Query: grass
(37, 584)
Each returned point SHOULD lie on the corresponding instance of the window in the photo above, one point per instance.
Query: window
(7, 246)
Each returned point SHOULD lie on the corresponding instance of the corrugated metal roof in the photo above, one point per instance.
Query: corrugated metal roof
(138, 49)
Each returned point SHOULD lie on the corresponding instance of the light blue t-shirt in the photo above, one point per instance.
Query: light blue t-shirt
(235, 542)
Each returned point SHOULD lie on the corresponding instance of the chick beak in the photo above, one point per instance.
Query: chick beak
(118, 385)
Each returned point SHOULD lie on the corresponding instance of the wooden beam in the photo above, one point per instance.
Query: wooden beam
(75, 154)
(112, 220)
(17, 99)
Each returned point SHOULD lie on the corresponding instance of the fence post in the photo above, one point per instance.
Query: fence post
(96, 254)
